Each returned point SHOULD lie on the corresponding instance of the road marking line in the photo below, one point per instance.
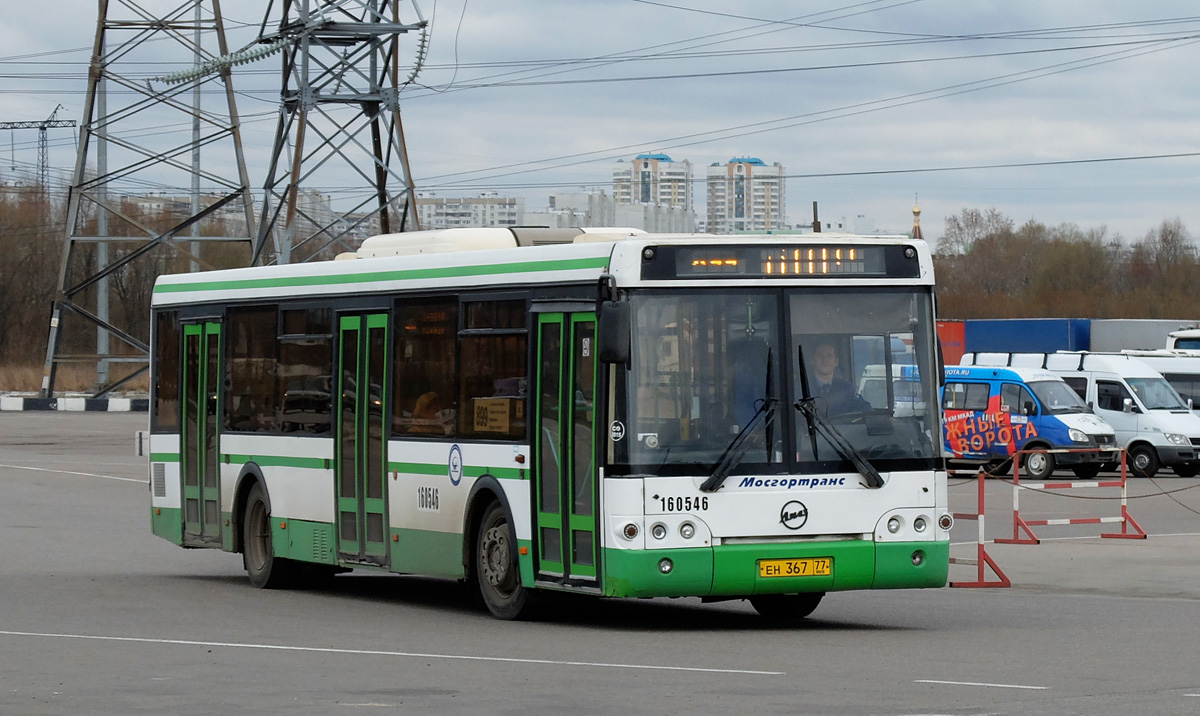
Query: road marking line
(369, 652)
(69, 472)
(980, 683)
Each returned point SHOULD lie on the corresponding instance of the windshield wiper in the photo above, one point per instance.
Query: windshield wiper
(819, 423)
(738, 447)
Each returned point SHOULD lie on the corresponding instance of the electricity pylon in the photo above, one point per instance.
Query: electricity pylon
(133, 139)
(338, 169)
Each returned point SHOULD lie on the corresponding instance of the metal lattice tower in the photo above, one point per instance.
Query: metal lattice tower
(43, 165)
(134, 138)
(339, 169)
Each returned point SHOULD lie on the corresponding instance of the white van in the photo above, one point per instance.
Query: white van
(1150, 419)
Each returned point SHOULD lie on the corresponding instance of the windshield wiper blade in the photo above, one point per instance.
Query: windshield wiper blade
(738, 447)
(817, 422)
(822, 425)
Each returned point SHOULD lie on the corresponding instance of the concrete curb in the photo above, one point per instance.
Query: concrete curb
(80, 405)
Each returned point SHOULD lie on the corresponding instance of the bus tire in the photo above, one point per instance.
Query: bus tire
(786, 607)
(1039, 465)
(1143, 460)
(496, 570)
(1087, 470)
(265, 570)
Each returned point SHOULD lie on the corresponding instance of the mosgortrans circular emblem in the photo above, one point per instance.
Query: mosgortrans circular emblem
(456, 465)
(793, 515)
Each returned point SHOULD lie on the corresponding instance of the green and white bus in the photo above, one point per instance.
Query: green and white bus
(608, 412)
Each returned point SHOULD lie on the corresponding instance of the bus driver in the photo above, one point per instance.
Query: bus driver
(835, 394)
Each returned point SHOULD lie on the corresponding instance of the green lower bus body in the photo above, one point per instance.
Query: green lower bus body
(726, 570)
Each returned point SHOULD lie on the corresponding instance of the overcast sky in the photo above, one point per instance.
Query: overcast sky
(848, 96)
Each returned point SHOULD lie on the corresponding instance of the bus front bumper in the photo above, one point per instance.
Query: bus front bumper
(734, 570)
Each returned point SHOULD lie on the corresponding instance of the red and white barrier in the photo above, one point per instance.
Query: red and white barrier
(982, 558)
(1021, 525)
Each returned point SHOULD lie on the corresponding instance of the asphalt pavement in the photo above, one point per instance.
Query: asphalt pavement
(98, 616)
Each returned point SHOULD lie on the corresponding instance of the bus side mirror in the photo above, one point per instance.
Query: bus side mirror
(614, 325)
(1029, 410)
(1127, 405)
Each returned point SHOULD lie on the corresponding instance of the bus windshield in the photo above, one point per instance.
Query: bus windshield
(706, 362)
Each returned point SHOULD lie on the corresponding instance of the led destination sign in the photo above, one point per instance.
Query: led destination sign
(811, 261)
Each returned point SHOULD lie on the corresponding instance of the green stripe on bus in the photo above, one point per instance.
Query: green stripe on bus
(598, 262)
(164, 457)
(316, 463)
(421, 468)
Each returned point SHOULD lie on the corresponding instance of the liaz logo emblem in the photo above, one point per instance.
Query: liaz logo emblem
(455, 468)
(793, 515)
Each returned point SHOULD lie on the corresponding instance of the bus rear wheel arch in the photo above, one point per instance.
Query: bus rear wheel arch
(494, 565)
(265, 570)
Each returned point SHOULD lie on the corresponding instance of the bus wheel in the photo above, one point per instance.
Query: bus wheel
(1087, 470)
(266, 571)
(1191, 469)
(786, 607)
(496, 568)
(1039, 465)
(1143, 461)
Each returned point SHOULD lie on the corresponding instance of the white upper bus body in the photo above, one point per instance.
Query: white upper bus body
(1184, 339)
(720, 328)
(1151, 420)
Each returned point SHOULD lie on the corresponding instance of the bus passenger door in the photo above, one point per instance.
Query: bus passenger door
(361, 452)
(199, 466)
(564, 442)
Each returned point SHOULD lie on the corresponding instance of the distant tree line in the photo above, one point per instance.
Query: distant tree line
(32, 235)
(987, 268)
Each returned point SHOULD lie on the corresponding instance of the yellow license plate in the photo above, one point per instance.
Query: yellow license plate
(808, 567)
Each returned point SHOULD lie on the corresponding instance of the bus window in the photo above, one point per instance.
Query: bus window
(250, 404)
(305, 370)
(166, 371)
(424, 389)
(492, 376)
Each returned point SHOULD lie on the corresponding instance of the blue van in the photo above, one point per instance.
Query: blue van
(989, 413)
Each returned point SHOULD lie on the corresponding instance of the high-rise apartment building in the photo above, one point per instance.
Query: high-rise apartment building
(745, 194)
(653, 179)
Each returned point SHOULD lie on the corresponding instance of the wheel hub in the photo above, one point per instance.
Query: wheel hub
(495, 557)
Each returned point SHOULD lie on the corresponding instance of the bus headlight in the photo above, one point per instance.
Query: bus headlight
(1078, 435)
(665, 565)
(629, 531)
(1176, 439)
(687, 530)
(919, 524)
(894, 525)
(918, 558)
(658, 530)
(946, 522)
